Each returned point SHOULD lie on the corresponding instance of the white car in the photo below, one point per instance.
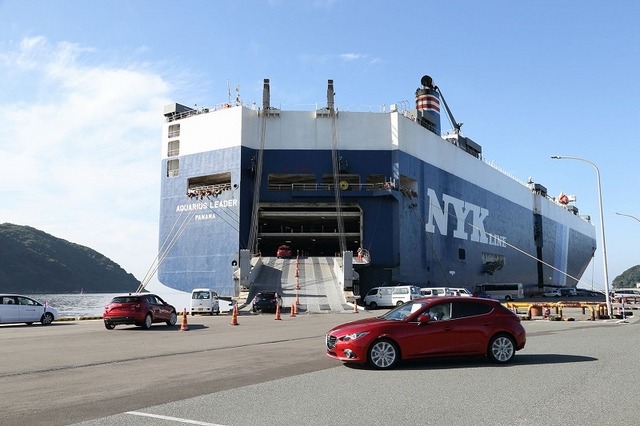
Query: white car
(15, 308)
(552, 293)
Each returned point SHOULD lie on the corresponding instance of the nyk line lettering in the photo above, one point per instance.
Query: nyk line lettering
(463, 213)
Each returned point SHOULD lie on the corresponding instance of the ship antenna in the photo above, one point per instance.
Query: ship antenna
(228, 93)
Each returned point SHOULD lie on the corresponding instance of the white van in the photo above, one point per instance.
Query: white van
(460, 291)
(436, 291)
(204, 301)
(391, 296)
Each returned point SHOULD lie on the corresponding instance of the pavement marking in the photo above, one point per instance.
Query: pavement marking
(175, 419)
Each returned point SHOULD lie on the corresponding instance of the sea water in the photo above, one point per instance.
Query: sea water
(77, 305)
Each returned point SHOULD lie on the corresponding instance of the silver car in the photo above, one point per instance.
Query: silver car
(15, 308)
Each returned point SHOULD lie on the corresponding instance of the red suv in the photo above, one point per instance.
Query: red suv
(139, 309)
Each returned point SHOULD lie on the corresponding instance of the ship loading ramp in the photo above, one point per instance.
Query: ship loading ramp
(320, 290)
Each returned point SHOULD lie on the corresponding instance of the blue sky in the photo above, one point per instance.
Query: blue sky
(84, 85)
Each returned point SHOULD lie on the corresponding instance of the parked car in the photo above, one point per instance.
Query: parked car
(141, 309)
(568, 292)
(436, 291)
(266, 301)
(204, 301)
(15, 308)
(460, 291)
(391, 296)
(284, 251)
(552, 293)
(430, 327)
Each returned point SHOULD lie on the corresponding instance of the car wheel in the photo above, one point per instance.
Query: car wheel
(47, 318)
(399, 302)
(109, 326)
(383, 354)
(501, 349)
(373, 305)
(173, 319)
(147, 322)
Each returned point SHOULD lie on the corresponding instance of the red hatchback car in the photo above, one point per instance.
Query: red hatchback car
(141, 309)
(430, 327)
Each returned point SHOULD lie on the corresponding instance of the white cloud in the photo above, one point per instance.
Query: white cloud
(81, 158)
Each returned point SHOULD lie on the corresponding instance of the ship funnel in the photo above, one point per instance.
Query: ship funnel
(428, 105)
(330, 95)
(266, 95)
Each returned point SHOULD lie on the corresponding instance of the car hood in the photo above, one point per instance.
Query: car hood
(358, 325)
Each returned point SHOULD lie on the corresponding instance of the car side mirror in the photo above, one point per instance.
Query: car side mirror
(425, 318)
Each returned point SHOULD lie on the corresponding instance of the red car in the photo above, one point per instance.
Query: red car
(430, 327)
(283, 251)
(141, 309)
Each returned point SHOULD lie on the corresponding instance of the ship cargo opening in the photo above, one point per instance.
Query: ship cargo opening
(309, 229)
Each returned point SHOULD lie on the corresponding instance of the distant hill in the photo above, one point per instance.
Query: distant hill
(628, 278)
(32, 261)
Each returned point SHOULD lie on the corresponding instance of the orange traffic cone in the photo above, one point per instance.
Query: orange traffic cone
(184, 326)
(278, 312)
(293, 309)
(234, 315)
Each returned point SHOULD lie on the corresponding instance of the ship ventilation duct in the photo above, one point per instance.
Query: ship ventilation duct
(330, 95)
(266, 95)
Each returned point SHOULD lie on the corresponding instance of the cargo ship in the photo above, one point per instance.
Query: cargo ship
(387, 196)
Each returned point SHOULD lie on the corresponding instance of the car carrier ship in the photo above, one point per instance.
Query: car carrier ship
(386, 196)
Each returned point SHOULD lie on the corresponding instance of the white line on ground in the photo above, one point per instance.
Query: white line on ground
(175, 419)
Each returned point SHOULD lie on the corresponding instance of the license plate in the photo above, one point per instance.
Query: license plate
(199, 309)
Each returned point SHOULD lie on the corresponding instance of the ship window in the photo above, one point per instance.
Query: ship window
(173, 166)
(375, 182)
(174, 148)
(209, 185)
(408, 186)
(292, 182)
(346, 182)
(462, 254)
(174, 131)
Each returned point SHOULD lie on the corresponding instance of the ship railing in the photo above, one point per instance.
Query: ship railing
(197, 111)
(208, 190)
(345, 186)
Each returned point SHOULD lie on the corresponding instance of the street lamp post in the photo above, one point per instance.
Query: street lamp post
(628, 215)
(604, 245)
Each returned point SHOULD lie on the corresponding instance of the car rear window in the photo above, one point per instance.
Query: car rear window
(125, 299)
(469, 309)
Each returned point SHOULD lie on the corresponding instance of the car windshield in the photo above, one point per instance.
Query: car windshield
(403, 311)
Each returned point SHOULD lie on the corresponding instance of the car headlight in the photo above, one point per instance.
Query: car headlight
(354, 336)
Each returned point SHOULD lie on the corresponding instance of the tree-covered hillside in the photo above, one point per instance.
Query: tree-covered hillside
(32, 261)
(628, 278)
